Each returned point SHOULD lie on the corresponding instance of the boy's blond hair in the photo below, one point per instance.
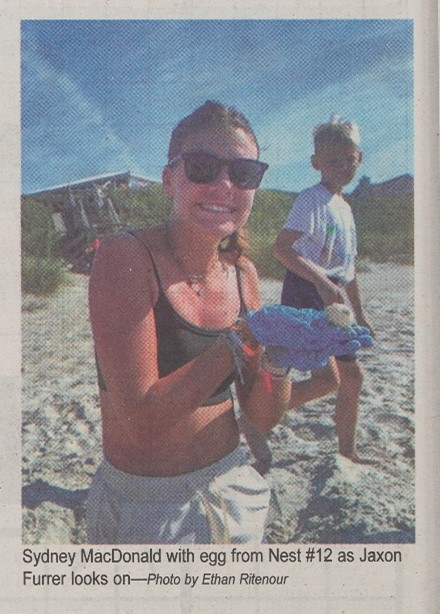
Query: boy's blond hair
(336, 131)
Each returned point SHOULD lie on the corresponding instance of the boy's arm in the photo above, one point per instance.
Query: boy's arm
(353, 294)
(292, 260)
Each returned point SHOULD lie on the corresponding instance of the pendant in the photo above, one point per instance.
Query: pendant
(196, 287)
(196, 283)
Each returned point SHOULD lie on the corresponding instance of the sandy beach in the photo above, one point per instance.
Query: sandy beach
(318, 496)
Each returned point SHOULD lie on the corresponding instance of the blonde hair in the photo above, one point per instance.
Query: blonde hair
(336, 131)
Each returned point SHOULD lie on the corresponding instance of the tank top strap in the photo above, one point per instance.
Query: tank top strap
(156, 272)
(243, 308)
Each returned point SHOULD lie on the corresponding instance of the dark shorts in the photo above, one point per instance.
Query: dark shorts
(300, 293)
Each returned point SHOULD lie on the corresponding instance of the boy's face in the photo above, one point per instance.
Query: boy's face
(337, 164)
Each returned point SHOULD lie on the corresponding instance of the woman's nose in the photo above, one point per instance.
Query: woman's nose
(224, 176)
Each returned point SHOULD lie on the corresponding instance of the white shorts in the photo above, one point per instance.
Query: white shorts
(226, 502)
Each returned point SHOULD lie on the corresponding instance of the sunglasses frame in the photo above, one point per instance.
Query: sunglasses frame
(185, 155)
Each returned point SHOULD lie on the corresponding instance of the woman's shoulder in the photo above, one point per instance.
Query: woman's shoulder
(123, 287)
(130, 243)
(125, 259)
(127, 237)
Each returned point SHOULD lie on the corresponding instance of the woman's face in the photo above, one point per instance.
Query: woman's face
(218, 208)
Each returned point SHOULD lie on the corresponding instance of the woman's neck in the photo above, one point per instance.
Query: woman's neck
(197, 253)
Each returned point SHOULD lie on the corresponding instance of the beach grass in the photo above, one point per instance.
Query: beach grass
(42, 269)
(385, 229)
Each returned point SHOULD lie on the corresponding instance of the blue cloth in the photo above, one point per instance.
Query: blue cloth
(303, 338)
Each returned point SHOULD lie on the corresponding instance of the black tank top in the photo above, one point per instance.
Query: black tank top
(179, 341)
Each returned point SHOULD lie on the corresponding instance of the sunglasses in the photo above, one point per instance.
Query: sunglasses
(201, 167)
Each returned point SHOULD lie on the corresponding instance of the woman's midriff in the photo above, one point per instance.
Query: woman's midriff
(198, 439)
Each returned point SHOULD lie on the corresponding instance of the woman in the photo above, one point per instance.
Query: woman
(164, 303)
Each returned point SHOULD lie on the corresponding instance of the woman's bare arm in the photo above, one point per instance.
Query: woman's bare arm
(122, 293)
(262, 406)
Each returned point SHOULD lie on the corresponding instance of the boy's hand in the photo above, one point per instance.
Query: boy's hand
(329, 292)
(303, 338)
(363, 322)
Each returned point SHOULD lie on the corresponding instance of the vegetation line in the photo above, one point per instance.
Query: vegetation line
(385, 228)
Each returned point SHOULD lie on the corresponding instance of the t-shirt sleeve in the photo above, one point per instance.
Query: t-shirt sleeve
(301, 216)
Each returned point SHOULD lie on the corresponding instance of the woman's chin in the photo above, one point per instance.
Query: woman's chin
(218, 229)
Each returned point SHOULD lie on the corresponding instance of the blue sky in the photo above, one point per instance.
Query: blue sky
(103, 96)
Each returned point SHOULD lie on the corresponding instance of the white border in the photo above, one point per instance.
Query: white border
(416, 583)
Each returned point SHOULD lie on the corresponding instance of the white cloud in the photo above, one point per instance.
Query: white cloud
(70, 131)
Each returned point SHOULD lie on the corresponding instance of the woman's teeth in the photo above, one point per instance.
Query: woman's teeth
(215, 208)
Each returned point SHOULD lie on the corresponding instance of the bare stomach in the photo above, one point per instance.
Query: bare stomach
(199, 439)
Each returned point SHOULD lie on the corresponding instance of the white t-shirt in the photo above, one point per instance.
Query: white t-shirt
(329, 232)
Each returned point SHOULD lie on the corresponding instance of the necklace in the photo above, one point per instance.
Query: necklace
(195, 281)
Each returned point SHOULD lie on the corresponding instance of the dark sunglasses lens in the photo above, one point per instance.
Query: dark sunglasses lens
(201, 168)
(246, 174)
(205, 168)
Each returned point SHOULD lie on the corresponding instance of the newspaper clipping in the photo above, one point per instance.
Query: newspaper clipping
(217, 365)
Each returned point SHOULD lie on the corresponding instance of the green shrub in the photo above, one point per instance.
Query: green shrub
(38, 236)
(269, 213)
(385, 228)
(42, 270)
(41, 275)
(141, 208)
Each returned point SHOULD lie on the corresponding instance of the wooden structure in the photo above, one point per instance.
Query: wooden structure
(83, 211)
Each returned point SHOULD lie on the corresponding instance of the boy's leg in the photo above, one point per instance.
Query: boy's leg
(321, 383)
(347, 404)
(302, 294)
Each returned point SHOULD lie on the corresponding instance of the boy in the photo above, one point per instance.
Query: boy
(317, 245)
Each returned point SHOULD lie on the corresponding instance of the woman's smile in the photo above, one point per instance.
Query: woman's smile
(215, 208)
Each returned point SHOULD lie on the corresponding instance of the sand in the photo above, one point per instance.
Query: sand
(318, 496)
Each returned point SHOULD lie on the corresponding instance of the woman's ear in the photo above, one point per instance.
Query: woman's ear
(167, 181)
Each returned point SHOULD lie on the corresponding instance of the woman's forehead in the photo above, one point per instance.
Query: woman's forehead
(221, 141)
